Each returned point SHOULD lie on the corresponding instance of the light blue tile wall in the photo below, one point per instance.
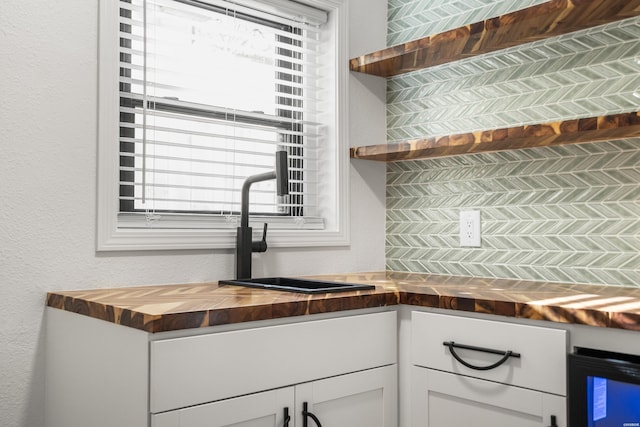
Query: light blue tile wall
(565, 214)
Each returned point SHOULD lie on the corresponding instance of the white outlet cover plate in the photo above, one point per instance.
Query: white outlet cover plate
(470, 233)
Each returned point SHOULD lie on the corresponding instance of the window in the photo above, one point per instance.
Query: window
(195, 96)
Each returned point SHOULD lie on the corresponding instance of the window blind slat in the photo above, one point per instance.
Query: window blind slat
(310, 37)
(202, 119)
(211, 136)
(217, 150)
(229, 115)
(162, 57)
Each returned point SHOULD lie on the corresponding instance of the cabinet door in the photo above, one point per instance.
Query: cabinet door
(442, 399)
(362, 399)
(265, 409)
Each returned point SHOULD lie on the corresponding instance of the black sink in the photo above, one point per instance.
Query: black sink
(297, 285)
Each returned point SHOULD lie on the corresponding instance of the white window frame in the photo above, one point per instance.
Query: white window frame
(115, 233)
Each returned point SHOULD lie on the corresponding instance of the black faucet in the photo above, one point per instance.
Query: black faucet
(245, 245)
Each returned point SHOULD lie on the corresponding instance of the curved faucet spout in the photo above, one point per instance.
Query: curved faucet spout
(244, 242)
(246, 186)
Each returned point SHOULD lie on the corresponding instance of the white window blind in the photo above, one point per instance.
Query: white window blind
(208, 92)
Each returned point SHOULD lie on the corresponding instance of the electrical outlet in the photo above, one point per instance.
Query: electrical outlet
(470, 229)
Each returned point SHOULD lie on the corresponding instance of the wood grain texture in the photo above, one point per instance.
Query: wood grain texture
(549, 19)
(591, 129)
(174, 307)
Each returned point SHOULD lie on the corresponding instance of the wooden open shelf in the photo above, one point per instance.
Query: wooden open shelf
(592, 129)
(549, 19)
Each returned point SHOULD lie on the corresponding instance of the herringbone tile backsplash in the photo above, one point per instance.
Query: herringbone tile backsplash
(412, 19)
(566, 214)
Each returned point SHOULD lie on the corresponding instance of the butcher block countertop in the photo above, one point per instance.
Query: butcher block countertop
(172, 307)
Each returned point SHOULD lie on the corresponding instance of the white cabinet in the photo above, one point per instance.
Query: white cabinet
(343, 367)
(451, 385)
(361, 399)
(101, 374)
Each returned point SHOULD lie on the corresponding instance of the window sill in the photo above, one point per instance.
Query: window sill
(131, 234)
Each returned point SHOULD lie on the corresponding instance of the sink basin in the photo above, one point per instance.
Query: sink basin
(297, 285)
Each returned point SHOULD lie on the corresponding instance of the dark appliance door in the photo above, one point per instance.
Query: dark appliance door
(604, 389)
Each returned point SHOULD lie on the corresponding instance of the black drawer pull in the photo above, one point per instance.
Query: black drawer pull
(506, 355)
(306, 414)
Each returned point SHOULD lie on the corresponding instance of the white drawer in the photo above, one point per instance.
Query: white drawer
(541, 365)
(194, 370)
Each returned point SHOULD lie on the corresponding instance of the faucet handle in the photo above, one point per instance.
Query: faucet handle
(260, 245)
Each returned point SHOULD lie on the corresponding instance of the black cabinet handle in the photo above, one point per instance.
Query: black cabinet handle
(287, 417)
(553, 421)
(506, 355)
(306, 414)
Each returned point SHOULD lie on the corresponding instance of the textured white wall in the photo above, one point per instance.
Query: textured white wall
(48, 101)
